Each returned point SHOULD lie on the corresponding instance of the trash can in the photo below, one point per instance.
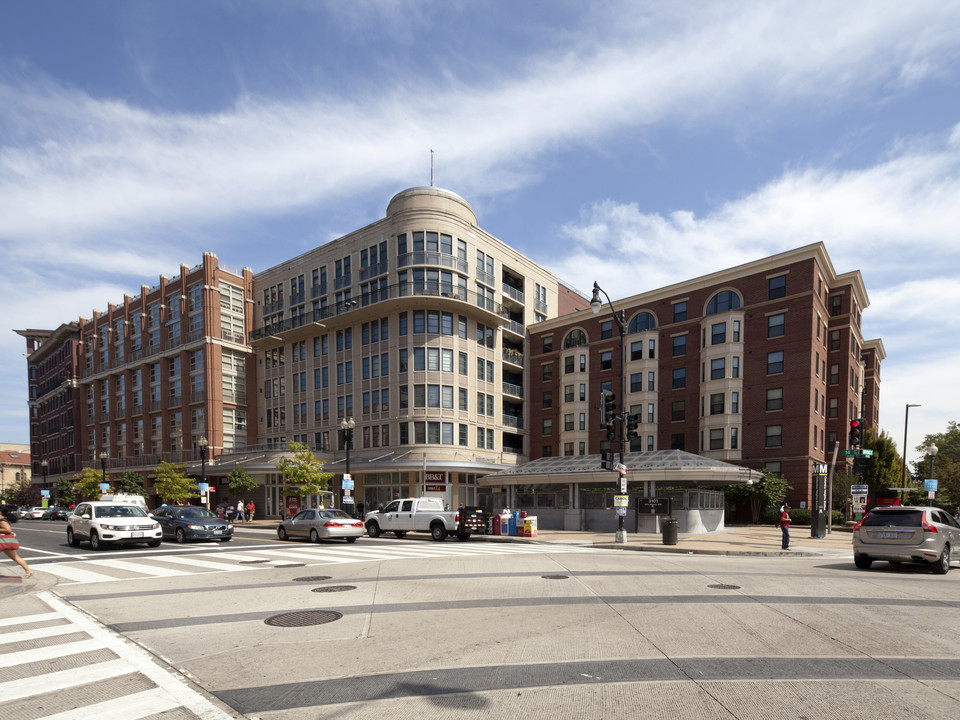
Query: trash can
(669, 527)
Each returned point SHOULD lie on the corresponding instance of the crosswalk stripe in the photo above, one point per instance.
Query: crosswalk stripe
(129, 707)
(194, 561)
(63, 679)
(143, 568)
(71, 572)
(48, 653)
(27, 619)
(35, 634)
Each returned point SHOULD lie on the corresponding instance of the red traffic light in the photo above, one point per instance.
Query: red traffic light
(854, 424)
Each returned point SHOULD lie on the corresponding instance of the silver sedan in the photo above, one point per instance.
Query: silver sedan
(321, 524)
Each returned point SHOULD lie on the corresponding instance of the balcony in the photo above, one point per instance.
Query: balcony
(514, 357)
(516, 328)
(193, 335)
(513, 421)
(486, 278)
(435, 259)
(342, 281)
(370, 271)
(512, 390)
(318, 290)
(513, 293)
(272, 307)
(176, 401)
(234, 397)
(197, 396)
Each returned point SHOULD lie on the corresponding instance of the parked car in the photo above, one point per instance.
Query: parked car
(321, 524)
(106, 523)
(188, 522)
(35, 513)
(10, 512)
(55, 513)
(907, 534)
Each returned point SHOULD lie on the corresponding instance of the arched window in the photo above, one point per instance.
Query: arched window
(723, 301)
(641, 322)
(575, 338)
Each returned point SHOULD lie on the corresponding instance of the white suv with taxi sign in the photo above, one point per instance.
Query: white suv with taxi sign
(111, 523)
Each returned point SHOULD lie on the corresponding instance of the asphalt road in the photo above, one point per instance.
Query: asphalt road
(403, 628)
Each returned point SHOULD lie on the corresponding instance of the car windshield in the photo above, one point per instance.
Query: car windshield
(114, 511)
(195, 512)
(900, 518)
(340, 514)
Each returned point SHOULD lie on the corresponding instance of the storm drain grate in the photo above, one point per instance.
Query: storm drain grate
(721, 586)
(555, 577)
(334, 588)
(312, 578)
(303, 618)
(252, 562)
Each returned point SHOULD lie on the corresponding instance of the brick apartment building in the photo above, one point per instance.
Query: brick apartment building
(146, 379)
(761, 365)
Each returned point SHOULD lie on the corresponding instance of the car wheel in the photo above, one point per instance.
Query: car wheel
(179, 536)
(95, 543)
(438, 532)
(72, 540)
(463, 536)
(862, 562)
(399, 533)
(154, 543)
(942, 565)
(373, 530)
(314, 536)
(350, 540)
(281, 533)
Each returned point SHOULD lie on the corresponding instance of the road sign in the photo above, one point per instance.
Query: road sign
(620, 468)
(621, 500)
(347, 483)
(859, 489)
(930, 485)
(849, 453)
(867, 453)
(623, 484)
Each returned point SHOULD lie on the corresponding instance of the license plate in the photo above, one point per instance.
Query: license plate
(218, 532)
(890, 536)
(136, 534)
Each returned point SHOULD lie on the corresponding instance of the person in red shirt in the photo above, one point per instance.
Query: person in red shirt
(785, 526)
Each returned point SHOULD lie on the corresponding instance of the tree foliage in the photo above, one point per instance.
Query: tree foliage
(86, 483)
(303, 474)
(172, 485)
(946, 465)
(24, 494)
(768, 492)
(241, 482)
(65, 492)
(131, 482)
(884, 468)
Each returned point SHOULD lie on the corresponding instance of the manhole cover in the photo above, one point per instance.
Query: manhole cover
(312, 578)
(252, 562)
(555, 577)
(721, 586)
(303, 618)
(334, 588)
(290, 565)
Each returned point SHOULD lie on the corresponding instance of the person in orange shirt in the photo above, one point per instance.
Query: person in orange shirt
(785, 526)
(251, 508)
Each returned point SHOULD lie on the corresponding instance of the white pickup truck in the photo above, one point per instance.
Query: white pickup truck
(417, 515)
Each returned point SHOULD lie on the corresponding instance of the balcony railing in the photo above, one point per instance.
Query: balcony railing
(370, 271)
(318, 290)
(342, 281)
(513, 421)
(516, 328)
(513, 356)
(434, 258)
(235, 397)
(449, 292)
(512, 293)
(512, 390)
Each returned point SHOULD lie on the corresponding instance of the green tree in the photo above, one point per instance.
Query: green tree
(65, 492)
(24, 494)
(768, 492)
(131, 482)
(946, 465)
(86, 483)
(843, 480)
(172, 485)
(303, 475)
(241, 482)
(884, 468)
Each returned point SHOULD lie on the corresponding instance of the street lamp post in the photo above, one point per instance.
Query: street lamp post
(43, 467)
(347, 425)
(202, 444)
(103, 464)
(932, 452)
(595, 304)
(903, 467)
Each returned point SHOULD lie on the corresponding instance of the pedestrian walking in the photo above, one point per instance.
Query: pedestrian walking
(785, 526)
(239, 511)
(360, 510)
(9, 545)
(251, 509)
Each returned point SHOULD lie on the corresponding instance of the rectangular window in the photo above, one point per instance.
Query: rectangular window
(774, 436)
(547, 427)
(679, 311)
(606, 360)
(718, 333)
(833, 408)
(606, 329)
(679, 378)
(636, 350)
(679, 345)
(734, 438)
(775, 399)
(775, 362)
(718, 369)
(716, 439)
(836, 305)
(735, 402)
(547, 399)
(717, 403)
(546, 372)
(636, 382)
(834, 374)
(775, 325)
(777, 287)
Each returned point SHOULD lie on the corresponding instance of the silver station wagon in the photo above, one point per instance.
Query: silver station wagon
(907, 534)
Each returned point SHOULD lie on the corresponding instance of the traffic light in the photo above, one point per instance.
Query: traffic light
(859, 465)
(633, 424)
(856, 433)
(609, 400)
(607, 461)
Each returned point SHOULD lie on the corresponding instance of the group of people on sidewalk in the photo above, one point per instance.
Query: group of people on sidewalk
(237, 513)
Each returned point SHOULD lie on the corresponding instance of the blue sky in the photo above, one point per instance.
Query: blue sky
(636, 143)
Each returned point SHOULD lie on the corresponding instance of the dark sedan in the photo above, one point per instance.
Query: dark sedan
(188, 522)
(55, 513)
